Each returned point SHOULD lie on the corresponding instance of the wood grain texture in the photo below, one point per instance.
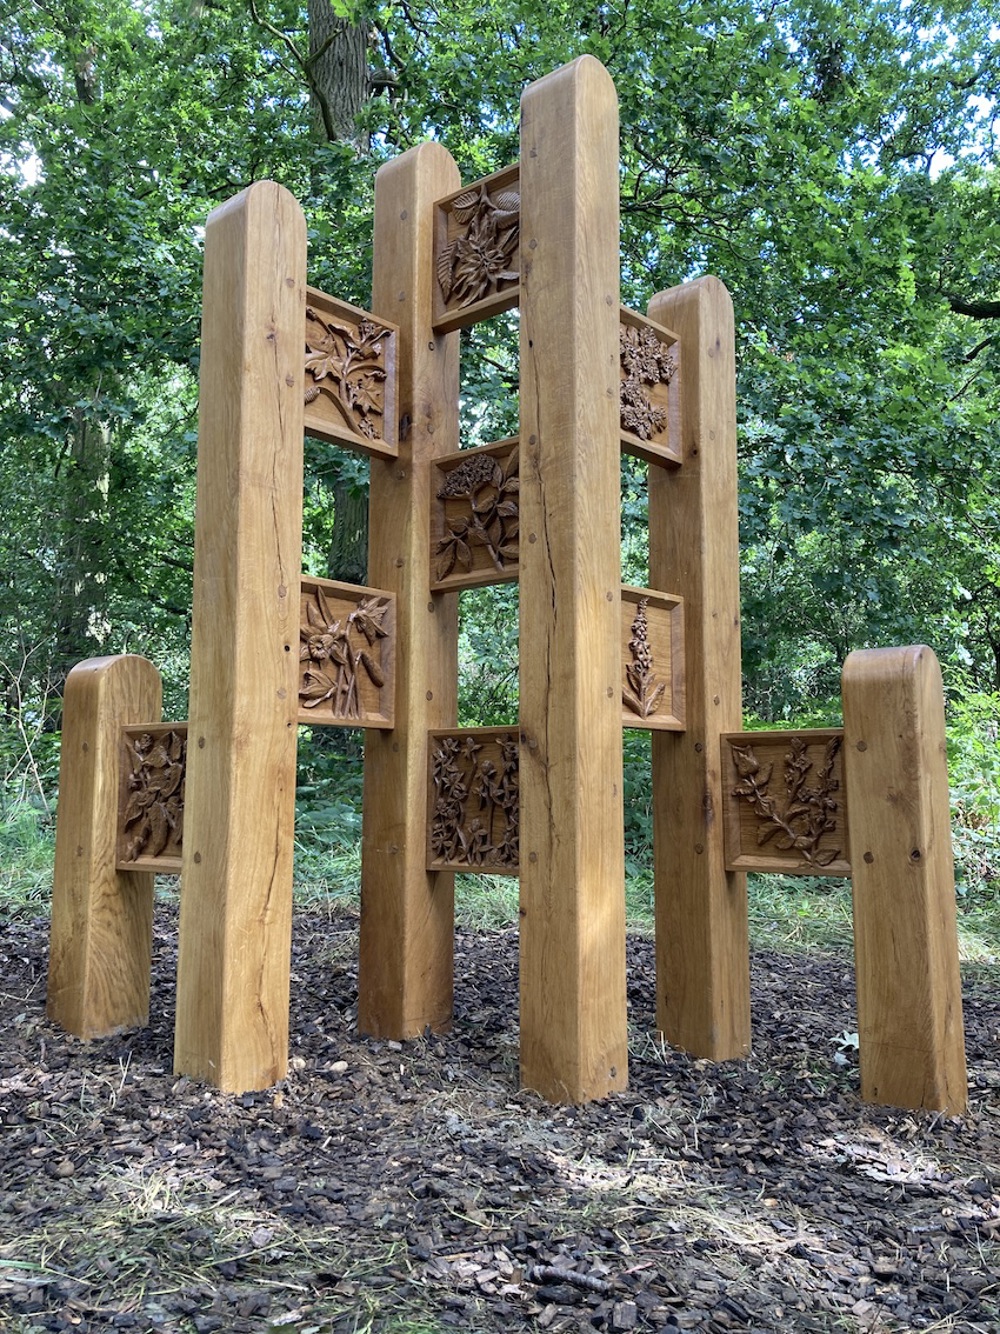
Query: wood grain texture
(235, 924)
(572, 966)
(407, 912)
(102, 918)
(702, 951)
(910, 1028)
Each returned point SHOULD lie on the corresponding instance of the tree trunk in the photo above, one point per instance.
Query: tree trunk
(81, 595)
(348, 558)
(338, 57)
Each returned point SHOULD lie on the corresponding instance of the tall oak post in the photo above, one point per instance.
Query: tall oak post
(236, 900)
(702, 951)
(910, 1030)
(407, 912)
(572, 964)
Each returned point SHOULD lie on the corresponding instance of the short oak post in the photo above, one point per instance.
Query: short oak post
(572, 964)
(702, 952)
(406, 964)
(910, 1029)
(236, 898)
(102, 919)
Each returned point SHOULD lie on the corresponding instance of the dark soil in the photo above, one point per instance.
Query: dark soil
(411, 1186)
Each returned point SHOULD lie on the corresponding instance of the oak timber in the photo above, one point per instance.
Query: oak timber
(572, 962)
(910, 1028)
(235, 923)
(102, 918)
(407, 912)
(702, 952)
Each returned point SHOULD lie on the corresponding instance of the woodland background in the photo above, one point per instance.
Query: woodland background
(835, 164)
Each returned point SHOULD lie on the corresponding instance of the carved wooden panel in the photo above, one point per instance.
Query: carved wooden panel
(786, 805)
(477, 235)
(151, 777)
(347, 646)
(350, 384)
(652, 660)
(650, 389)
(474, 517)
(473, 804)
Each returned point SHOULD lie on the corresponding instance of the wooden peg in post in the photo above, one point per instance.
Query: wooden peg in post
(910, 1030)
(102, 919)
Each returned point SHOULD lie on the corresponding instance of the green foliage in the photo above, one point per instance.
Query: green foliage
(974, 779)
(488, 661)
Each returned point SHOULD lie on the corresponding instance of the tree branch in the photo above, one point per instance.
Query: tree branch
(981, 346)
(305, 64)
(976, 310)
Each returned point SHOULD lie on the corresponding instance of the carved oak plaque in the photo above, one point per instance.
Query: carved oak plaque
(785, 802)
(474, 517)
(649, 389)
(473, 805)
(152, 771)
(652, 660)
(347, 637)
(477, 234)
(350, 384)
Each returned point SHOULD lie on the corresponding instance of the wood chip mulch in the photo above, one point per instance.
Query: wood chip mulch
(411, 1186)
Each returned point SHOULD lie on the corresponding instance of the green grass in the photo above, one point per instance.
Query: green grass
(27, 845)
(786, 912)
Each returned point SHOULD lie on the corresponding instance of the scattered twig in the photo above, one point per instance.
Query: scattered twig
(552, 1274)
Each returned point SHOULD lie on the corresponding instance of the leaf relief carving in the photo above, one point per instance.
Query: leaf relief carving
(645, 360)
(798, 819)
(490, 487)
(475, 819)
(484, 256)
(153, 818)
(346, 364)
(642, 693)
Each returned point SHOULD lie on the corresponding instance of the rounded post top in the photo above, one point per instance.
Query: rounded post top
(900, 661)
(585, 77)
(113, 663)
(426, 159)
(259, 195)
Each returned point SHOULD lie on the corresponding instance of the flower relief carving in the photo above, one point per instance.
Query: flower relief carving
(645, 361)
(642, 693)
(345, 364)
(475, 819)
(336, 649)
(153, 816)
(797, 818)
(483, 257)
(490, 487)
